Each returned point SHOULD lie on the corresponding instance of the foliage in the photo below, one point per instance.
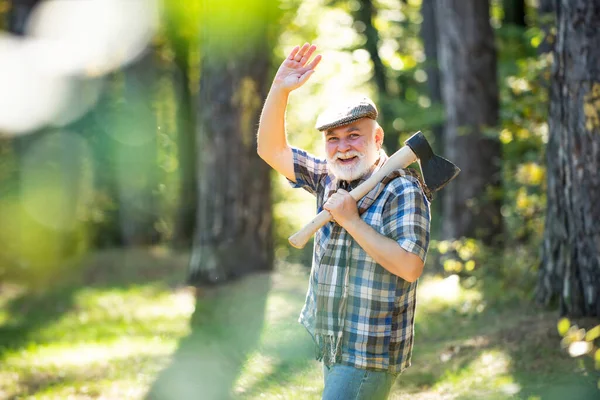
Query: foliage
(580, 342)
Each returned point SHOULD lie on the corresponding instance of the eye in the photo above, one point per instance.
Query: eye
(332, 139)
(354, 135)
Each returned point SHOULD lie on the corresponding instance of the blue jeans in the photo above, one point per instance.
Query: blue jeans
(343, 382)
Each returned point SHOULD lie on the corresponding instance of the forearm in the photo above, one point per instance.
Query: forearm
(271, 129)
(385, 251)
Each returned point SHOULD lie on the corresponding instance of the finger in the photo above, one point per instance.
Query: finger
(308, 54)
(294, 52)
(306, 75)
(301, 52)
(313, 64)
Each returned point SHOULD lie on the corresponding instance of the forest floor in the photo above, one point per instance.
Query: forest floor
(122, 326)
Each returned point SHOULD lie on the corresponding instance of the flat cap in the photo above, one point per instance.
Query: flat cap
(346, 112)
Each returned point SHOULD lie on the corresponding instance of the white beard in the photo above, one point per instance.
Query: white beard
(355, 170)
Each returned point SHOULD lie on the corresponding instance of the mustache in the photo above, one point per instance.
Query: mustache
(349, 154)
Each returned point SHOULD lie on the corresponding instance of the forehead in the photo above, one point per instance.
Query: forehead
(361, 124)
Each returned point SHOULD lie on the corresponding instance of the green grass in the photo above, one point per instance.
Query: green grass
(120, 327)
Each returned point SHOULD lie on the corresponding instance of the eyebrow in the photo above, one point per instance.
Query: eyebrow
(351, 128)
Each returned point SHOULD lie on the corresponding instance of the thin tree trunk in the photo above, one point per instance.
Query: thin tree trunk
(570, 268)
(365, 14)
(470, 91)
(19, 12)
(429, 35)
(135, 131)
(186, 149)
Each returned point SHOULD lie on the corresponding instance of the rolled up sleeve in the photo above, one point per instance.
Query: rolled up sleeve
(309, 171)
(406, 216)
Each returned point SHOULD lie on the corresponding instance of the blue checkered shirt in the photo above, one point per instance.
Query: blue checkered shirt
(378, 332)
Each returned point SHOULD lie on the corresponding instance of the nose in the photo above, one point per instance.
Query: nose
(343, 145)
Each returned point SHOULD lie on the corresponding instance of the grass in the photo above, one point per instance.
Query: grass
(120, 327)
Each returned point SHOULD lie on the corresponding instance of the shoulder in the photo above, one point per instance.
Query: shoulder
(403, 182)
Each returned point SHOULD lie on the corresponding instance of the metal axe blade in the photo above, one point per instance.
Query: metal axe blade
(437, 171)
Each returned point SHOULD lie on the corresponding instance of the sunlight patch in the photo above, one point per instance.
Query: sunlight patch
(139, 302)
(279, 308)
(489, 373)
(256, 369)
(84, 354)
(436, 293)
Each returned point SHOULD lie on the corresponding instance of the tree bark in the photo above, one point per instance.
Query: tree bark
(19, 11)
(233, 235)
(470, 92)
(429, 35)
(570, 267)
(135, 131)
(186, 150)
(365, 14)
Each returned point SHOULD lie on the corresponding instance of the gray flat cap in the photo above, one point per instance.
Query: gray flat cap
(343, 114)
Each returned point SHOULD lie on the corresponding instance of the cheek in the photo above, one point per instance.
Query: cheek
(360, 145)
(330, 149)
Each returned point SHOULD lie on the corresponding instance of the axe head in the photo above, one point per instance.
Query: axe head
(437, 171)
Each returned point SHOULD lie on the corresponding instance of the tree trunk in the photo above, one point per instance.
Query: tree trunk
(365, 14)
(19, 11)
(570, 267)
(470, 91)
(429, 35)
(134, 129)
(514, 12)
(186, 150)
(233, 225)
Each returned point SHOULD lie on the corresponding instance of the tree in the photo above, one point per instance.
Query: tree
(570, 266)
(133, 126)
(470, 91)
(364, 22)
(233, 225)
(429, 35)
(365, 15)
(179, 23)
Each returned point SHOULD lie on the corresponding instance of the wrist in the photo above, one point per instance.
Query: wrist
(280, 90)
(352, 224)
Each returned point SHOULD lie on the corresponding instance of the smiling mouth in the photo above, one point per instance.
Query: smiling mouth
(347, 160)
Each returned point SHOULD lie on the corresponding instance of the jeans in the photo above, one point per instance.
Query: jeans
(343, 382)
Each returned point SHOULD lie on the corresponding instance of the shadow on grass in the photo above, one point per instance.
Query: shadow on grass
(30, 312)
(225, 329)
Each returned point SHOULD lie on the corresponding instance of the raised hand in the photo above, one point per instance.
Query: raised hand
(294, 71)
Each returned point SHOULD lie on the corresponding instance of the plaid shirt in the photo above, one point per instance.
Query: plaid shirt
(378, 324)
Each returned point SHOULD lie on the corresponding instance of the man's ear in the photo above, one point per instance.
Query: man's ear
(379, 136)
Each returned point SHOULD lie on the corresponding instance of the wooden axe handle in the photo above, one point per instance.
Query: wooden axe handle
(400, 159)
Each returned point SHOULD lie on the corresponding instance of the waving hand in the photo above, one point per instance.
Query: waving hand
(295, 69)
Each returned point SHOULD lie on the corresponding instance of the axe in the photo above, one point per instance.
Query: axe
(437, 172)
